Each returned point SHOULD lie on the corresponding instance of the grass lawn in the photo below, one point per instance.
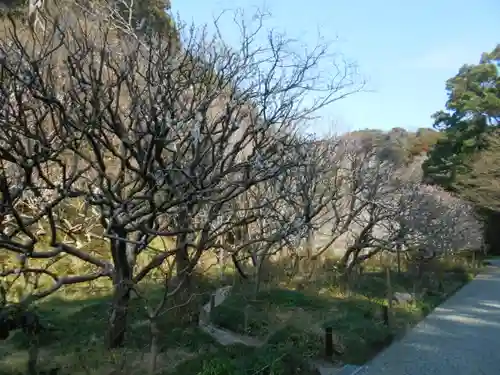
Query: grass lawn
(292, 322)
(356, 318)
(75, 342)
(273, 358)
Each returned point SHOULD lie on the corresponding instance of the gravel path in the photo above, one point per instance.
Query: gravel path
(461, 337)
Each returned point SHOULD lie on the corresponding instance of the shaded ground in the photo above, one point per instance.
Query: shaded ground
(75, 343)
(461, 337)
(280, 314)
(356, 318)
(291, 321)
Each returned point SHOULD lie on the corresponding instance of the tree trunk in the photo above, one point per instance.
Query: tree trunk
(124, 260)
(311, 263)
(154, 349)
(118, 318)
(398, 255)
(258, 275)
(390, 297)
(491, 234)
(344, 261)
(182, 262)
(186, 304)
(33, 352)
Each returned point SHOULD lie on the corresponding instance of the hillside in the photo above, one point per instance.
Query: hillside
(400, 145)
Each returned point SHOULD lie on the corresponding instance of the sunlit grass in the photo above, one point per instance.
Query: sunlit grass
(355, 316)
(285, 307)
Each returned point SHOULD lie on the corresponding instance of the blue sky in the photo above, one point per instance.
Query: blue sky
(405, 50)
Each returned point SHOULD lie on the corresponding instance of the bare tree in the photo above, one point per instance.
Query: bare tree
(370, 186)
(286, 209)
(144, 141)
(376, 205)
(438, 221)
(310, 193)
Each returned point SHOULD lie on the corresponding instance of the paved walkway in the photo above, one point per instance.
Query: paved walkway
(461, 337)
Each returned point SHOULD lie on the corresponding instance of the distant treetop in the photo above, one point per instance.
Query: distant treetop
(152, 15)
(400, 145)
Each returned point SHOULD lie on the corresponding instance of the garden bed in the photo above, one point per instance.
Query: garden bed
(357, 318)
(277, 314)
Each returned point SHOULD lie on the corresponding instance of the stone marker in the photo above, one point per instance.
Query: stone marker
(400, 297)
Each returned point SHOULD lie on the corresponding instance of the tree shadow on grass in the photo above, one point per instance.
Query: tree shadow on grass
(373, 284)
(79, 326)
(357, 322)
(357, 319)
(77, 330)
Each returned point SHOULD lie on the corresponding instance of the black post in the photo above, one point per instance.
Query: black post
(328, 342)
(212, 307)
(385, 315)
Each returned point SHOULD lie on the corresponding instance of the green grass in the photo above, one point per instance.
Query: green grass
(291, 321)
(279, 357)
(75, 341)
(356, 318)
(78, 317)
(356, 321)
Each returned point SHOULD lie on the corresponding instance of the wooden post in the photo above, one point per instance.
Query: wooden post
(245, 318)
(328, 342)
(33, 352)
(385, 315)
(389, 296)
(212, 307)
(398, 257)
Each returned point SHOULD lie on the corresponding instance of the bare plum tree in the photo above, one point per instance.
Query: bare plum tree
(152, 142)
(376, 205)
(342, 193)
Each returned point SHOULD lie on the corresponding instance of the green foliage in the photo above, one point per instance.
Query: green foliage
(355, 321)
(233, 316)
(448, 159)
(399, 145)
(472, 112)
(245, 313)
(15, 9)
(464, 160)
(474, 91)
(423, 140)
(152, 15)
(480, 183)
(292, 298)
(77, 325)
(153, 12)
(13, 6)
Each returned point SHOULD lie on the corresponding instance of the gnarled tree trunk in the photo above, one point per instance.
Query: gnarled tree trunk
(124, 260)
